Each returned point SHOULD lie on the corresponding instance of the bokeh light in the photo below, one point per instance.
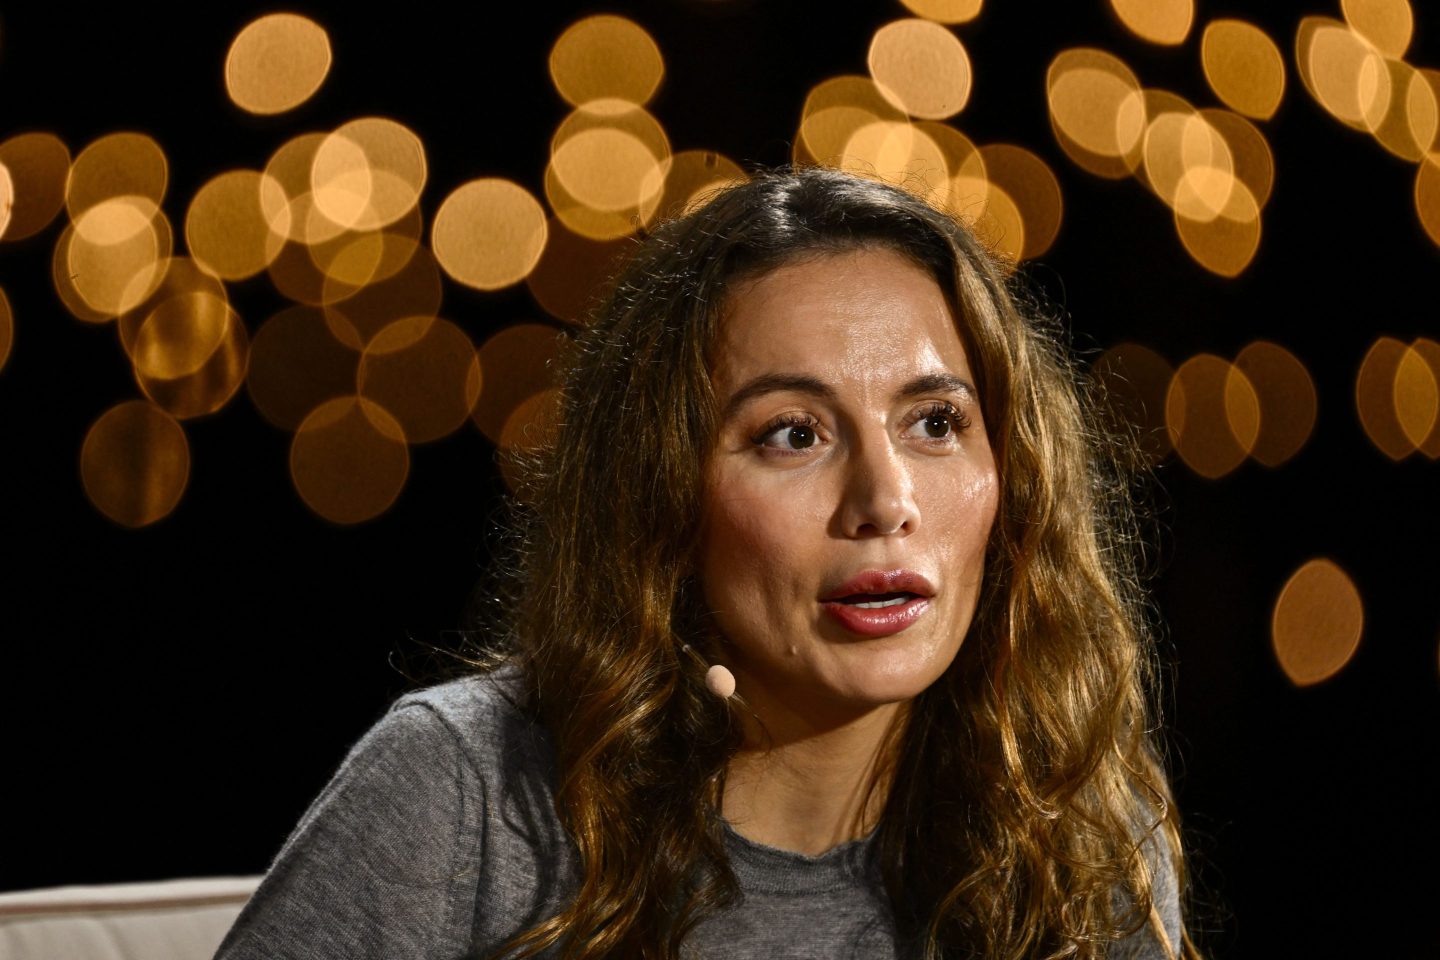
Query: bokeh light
(62, 276)
(7, 328)
(968, 181)
(343, 182)
(1159, 21)
(996, 220)
(1407, 127)
(1187, 162)
(1316, 623)
(1244, 67)
(173, 277)
(1251, 159)
(1396, 397)
(290, 166)
(208, 346)
(1343, 72)
(111, 258)
(517, 364)
(424, 372)
(833, 111)
(349, 460)
(489, 233)
(276, 63)
(180, 335)
(39, 166)
(606, 57)
(607, 154)
(368, 173)
(691, 179)
(1286, 394)
(1422, 110)
(353, 260)
(1427, 195)
(229, 227)
(945, 11)
(921, 68)
(299, 270)
(571, 271)
(897, 152)
(599, 225)
(7, 198)
(1416, 396)
(134, 463)
(533, 423)
(1213, 415)
(117, 165)
(1429, 351)
(1227, 243)
(1034, 189)
(529, 429)
(1097, 111)
(297, 364)
(1387, 24)
(415, 290)
(1133, 380)
(604, 178)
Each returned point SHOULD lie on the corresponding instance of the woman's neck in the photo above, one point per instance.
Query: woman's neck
(812, 788)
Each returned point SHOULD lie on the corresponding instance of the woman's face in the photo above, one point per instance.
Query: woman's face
(852, 468)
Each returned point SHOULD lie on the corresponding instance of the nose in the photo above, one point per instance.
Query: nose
(879, 495)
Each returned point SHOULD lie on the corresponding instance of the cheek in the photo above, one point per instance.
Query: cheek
(964, 513)
(761, 542)
(981, 497)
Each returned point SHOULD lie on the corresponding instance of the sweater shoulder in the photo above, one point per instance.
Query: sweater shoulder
(498, 694)
(486, 713)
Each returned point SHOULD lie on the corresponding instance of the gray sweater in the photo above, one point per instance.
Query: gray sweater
(437, 838)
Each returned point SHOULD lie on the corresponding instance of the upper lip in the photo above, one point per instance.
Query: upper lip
(881, 581)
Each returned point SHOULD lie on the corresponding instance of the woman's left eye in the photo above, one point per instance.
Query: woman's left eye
(939, 421)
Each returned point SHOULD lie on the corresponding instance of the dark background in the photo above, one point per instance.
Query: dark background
(173, 697)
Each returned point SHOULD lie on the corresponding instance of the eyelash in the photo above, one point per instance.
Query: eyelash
(959, 422)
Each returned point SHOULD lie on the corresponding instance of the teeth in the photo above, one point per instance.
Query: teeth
(882, 603)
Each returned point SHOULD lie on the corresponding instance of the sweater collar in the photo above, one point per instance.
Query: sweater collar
(760, 867)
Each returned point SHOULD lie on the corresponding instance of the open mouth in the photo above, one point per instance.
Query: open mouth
(876, 614)
(876, 601)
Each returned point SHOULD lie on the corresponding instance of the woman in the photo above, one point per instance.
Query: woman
(811, 438)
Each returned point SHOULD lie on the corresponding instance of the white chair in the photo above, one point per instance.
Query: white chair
(167, 920)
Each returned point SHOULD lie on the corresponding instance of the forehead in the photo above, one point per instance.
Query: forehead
(862, 316)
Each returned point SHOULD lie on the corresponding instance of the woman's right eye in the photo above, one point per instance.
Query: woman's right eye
(797, 438)
(789, 434)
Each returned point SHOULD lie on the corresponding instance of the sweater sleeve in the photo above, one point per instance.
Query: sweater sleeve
(384, 863)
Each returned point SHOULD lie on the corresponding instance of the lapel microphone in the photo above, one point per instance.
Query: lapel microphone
(718, 680)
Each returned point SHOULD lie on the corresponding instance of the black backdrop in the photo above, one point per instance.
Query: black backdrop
(174, 696)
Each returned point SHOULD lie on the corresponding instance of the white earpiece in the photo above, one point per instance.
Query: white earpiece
(720, 682)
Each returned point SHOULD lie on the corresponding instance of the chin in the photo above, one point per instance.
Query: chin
(880, 676)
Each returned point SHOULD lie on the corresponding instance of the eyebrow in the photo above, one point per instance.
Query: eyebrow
(799, 383)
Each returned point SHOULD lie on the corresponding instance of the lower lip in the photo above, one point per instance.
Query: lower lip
(877, 621)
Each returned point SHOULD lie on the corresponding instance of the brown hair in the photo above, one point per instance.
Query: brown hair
(1027, 803)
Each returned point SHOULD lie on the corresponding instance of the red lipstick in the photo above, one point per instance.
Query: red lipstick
(878, 603)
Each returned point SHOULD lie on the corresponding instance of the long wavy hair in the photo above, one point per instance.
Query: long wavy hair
(1025, 789)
